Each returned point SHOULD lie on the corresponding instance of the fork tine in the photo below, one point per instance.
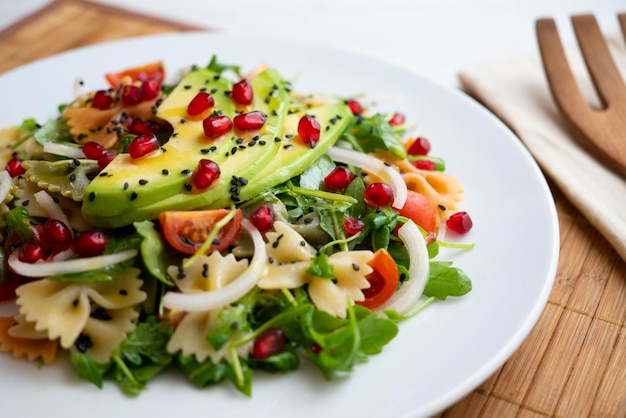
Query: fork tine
(602, 68)
(561, 80)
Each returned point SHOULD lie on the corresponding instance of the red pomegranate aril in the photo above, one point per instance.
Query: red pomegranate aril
(139, 127)
(339, 178)
(56, 236)
(460, 222)
(216, 125)
(142, 145)
(309, 130)
(421, 146)
(202, 102)
(131, 95)
(102, 100)
(262, 218)
(89, 243)
(105, 159)
(93, 150)
(268, 344)
(206, 174)
(378, 194)
(14, 167)
(424, 164)
(355, 107)
(396, 119)
(242, 93)
(150, 89)
(252, 121)
(352, 225)
(30, 252)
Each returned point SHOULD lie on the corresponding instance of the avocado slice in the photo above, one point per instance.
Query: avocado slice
(129, 187)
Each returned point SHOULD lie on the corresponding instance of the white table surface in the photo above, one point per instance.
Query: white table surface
(436, 38)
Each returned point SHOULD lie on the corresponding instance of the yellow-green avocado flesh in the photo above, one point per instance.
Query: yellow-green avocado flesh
(132, 190)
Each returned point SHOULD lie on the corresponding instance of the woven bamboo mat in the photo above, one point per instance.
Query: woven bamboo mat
(573, 364)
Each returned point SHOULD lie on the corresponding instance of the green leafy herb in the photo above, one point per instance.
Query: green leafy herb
(18, 222)
(375, 133)
(54, 130)
(445, 280)
(153, 251)
(219, 68)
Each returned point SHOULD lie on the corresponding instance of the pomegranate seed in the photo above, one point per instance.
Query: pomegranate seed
(216, 126)
(262, 218)
(202, 102)
(206, 174)
(89, 243)
(339, 178)
(355, 107)
(270, 343)
(316, 348)
(14, 167)
(30, 252)
(56, 235)
(309, 130)
(139, 127)
(396, 119)
(424, 164)
(421, 146)
(252, 121)
(352, 225)
(460, 222)
(102, 100)
(242, 93)
(150, 89)
(93, 150)
(131, 95)
(142, 145)
(105, 159)
(378, 194)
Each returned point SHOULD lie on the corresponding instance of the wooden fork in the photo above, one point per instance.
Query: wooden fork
(601, 131)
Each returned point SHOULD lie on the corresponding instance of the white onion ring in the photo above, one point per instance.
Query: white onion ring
(231, 292)
(63, 150)
(409, 293)
(68, 266)
(5, 184)
(375, 166)
(49, 205)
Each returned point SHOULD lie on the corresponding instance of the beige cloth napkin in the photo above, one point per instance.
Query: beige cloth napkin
(517, 91)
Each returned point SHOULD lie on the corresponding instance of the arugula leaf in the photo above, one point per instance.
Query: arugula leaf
(88, 369)
(356, 189)
(18, 222)
(321, 266)
(375, 331)
(445, 281)
(314, 175)
(375, 133)
(142, 355)
(153, 251)
(283, 362)
(219, 68)
(202, 374)
(230, 320)
(54, 130)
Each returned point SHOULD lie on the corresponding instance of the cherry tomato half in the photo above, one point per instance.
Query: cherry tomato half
(152, 71)
(419, 209)
(383, 280)
(186, 231)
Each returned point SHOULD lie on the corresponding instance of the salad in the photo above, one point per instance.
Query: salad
(221, 224)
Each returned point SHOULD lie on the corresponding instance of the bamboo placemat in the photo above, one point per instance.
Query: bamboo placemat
(573, 364)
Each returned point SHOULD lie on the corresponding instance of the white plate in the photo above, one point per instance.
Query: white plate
(440, 355)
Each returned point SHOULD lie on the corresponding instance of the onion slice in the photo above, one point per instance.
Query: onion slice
(75, 265)
(50, 206)
(5, 184)
(376, 167)
(409, 293)
(231, 292)
(63, 150)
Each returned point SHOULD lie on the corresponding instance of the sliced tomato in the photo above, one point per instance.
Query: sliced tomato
(152, 71)
(383, 280)
(419, 209)
(186, 231)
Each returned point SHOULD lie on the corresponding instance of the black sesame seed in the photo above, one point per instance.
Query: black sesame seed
(288, 146)
(187, 187)
(83, 343)
(25, 203)
(185, 171)
(213, 90)
(142, 182)
(123, 292)
(356, 267)
(73, 177)
(165, 171)
(133, 196)
(126, 186)
(187, 86)
(442, 207)
(81, 136)
(92, 196)
(308, 220)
